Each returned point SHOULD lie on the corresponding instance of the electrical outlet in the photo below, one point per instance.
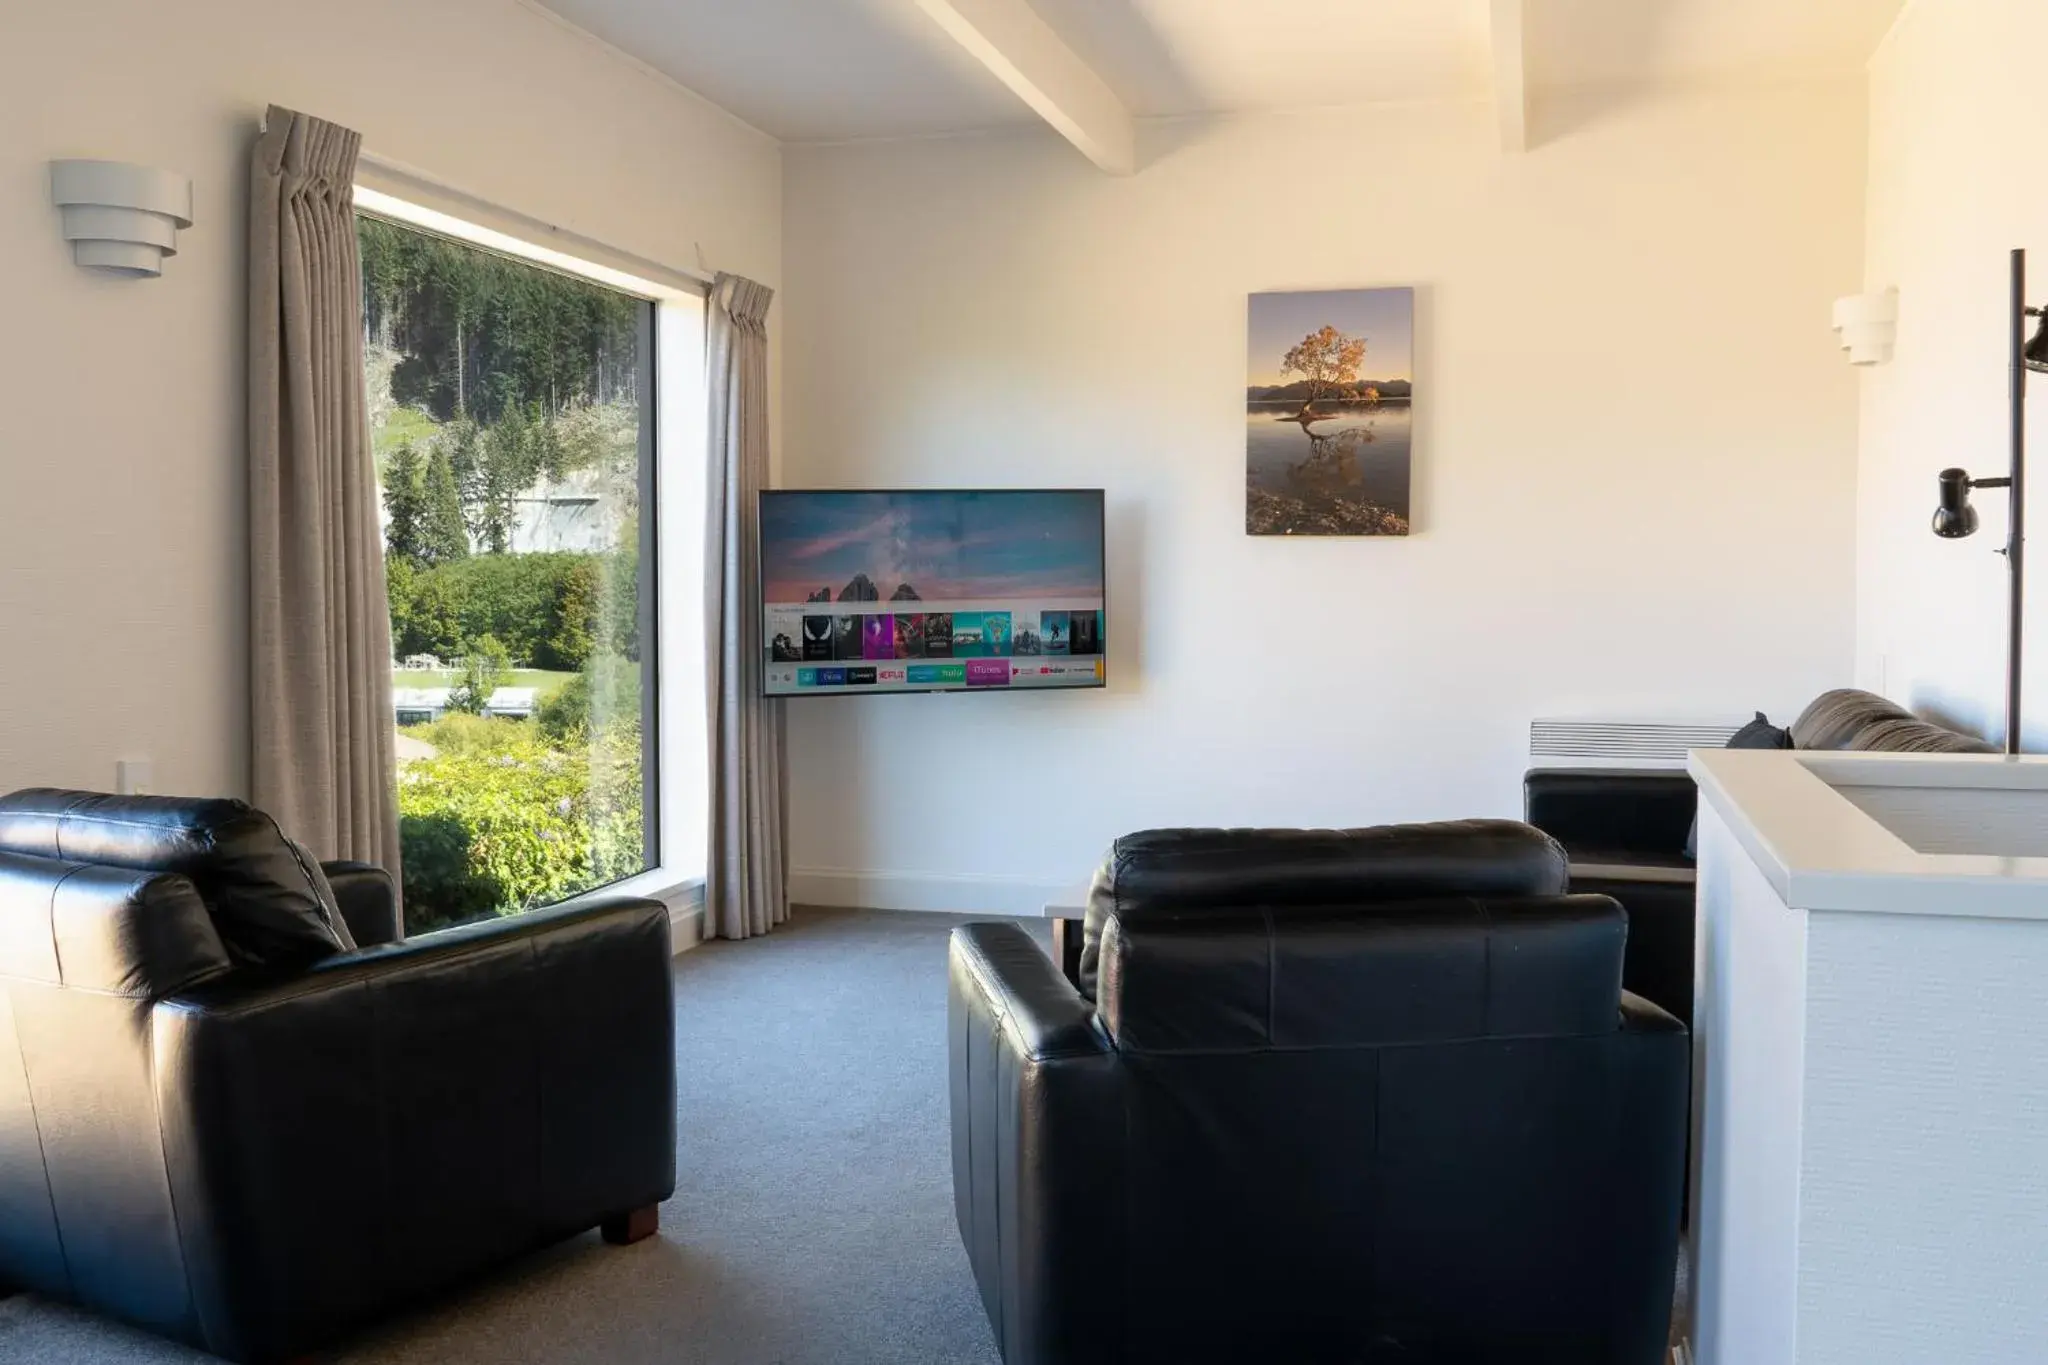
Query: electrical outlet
(134, 777)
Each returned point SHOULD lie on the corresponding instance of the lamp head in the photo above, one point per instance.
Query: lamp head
(1954, 518)
(2037, 349)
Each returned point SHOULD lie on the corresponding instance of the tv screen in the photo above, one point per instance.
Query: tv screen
(932, 591)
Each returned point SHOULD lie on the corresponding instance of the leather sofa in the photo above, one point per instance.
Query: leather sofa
(238, 1110)
(1629, 832)
(1320, 1096)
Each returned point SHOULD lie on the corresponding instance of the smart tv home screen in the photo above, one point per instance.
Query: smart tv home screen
(931, 591)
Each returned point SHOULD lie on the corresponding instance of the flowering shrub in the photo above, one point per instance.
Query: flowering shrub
(501, 819)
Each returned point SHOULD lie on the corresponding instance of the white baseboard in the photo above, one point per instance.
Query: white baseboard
(946, 892)
(686, 926)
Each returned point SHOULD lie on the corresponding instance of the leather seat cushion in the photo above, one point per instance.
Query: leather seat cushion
(1584, 856)
(271, 904)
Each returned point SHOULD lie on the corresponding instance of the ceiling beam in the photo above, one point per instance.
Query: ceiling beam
(1511, 74)
(1028, 55)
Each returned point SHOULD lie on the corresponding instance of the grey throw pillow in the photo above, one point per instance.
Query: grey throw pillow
(1760, 734)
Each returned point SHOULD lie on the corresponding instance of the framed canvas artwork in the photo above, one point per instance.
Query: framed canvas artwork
(1328, 402)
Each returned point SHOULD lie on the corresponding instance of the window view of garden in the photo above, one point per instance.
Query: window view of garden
(506, 419)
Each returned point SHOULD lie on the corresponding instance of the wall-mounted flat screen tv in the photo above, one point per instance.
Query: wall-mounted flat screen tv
(932, 591)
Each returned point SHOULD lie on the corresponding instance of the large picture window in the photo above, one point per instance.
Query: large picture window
(511, 414)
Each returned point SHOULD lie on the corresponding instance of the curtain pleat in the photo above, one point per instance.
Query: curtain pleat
(322, 751)
(746, 889)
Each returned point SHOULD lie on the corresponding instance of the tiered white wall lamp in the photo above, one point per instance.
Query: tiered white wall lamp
(1867, 325)
(119, 218)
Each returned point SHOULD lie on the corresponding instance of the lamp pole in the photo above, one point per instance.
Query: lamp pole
(2016, 534)
(1954, 518)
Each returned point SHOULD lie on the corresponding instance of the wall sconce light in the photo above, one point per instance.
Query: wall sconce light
(1954, 518)
(1867, 325)
(120, 218)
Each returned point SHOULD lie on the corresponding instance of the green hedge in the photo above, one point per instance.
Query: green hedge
(549, 610)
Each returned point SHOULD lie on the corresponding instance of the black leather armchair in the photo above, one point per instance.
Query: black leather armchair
(219, 1126)
(1627, 833)
(1365, 1096)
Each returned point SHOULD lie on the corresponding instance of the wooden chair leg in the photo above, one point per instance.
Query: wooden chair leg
(627, 1228)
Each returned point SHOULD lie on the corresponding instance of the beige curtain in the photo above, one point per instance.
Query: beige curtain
(746, 889)
(319, 623)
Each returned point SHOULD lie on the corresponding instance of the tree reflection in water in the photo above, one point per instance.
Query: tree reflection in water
(1331, 466)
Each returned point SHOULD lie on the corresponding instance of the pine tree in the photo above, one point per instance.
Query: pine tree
(509, 466)
(463, 439)
(405, 502)
(442, 535)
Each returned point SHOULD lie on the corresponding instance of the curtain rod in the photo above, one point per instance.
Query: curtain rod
(566, 239)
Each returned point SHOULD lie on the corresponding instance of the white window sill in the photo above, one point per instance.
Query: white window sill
(683, 895)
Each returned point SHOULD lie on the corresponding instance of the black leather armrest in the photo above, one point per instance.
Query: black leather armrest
(485, 934)
(368, 901)
(1643, 1016)
(1606, 812)
(1024, 995)
(1038, 1148)
(1652, 1089)
(1658, 962)
(395, 1119)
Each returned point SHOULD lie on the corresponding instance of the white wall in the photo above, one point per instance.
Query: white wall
(1636, 445)
(122, 588)
(1955, 184)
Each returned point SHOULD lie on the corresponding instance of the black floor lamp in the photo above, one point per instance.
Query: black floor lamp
(1955, 518)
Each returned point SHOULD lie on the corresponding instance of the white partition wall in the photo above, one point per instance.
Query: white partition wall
(1746, 1182)
(1871, 1054)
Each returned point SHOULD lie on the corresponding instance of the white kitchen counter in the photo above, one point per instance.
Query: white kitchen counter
(1871, 1059)
(1915, 834)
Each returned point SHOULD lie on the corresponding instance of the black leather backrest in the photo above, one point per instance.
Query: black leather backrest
(1171, 874)
(87, 953)
(1363, 976)
(269, 901)
(113, 930)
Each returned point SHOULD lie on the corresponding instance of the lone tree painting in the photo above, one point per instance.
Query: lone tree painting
(1328, 360)
(1327, 412)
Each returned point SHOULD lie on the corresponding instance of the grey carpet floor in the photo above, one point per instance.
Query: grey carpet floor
(813, 1217)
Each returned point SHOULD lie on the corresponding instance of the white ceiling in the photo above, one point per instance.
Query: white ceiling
(1212, 56)
(1649, 42)
(809, 70)
(825, 70)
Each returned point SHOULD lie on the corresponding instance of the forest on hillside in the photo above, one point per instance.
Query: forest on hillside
(482, 335)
